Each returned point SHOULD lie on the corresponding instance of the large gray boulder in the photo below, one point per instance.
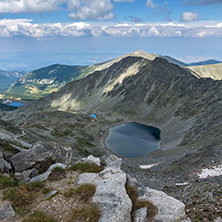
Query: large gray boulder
(6, 211)
(40, 156)
(110, 193)
(169, 208)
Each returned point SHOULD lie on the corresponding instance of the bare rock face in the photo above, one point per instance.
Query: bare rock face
(110, 194)
(169, 208)
(40, 156)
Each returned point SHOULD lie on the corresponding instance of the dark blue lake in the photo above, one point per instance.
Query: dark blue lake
(133, 139)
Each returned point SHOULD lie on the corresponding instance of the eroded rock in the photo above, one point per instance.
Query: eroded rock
(40, 156)
(169, 208)
(110, 193)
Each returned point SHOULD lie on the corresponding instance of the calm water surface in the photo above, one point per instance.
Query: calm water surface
(133, 139)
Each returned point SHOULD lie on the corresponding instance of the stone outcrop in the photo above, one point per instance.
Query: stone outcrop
(41, 156)
(115, 204)
(110, 193)
(6, 211)
(169, 208)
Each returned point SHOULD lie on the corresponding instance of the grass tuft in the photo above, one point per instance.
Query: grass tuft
(22, 195)
(39, 216)
(85, 167)
(18, 197)
(6, 181)
(90, 213)
(132, 193)
(151, 209)
(85, 191)
(69, 193)
(58, 173)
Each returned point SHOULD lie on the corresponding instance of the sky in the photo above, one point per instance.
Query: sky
(38, 33)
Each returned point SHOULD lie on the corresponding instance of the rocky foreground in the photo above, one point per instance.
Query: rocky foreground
(110, 194)
(113, 189)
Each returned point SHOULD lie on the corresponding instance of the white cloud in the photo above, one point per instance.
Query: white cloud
(190, 16)
(151, 4)
(26, 27)
(93, 9)
(36, 6)
(80, 9)
(10, 28)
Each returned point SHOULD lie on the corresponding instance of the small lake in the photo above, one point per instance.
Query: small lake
(133, 139)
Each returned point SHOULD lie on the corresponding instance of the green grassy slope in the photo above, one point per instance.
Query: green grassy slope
(46, 80)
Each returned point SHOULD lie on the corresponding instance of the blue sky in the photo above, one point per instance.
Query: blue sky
(36, 33)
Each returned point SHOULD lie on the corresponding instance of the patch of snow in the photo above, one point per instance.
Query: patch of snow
(215, 171)
(145, 167)
(181, 184)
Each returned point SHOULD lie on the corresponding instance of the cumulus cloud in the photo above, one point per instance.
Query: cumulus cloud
(93, 9)
(202, 2)
(190, 16)
(80, 9)
(36, 6)
(25, 27)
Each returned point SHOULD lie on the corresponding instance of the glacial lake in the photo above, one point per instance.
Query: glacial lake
(133, 139)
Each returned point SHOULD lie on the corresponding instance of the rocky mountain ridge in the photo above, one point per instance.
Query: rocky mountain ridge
(185, 108)
(44, 81)
(155, 93)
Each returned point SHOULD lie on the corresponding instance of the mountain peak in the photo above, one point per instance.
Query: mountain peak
(143, 54)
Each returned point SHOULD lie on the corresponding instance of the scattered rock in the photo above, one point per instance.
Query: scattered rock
(45, 175)
(49, 195)
(5, 167)
(218, 219)
(141, 215)
(40, 156)
(6, 210)
(91, 159)
(113, 161)
(169, 209)
(26, 175)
